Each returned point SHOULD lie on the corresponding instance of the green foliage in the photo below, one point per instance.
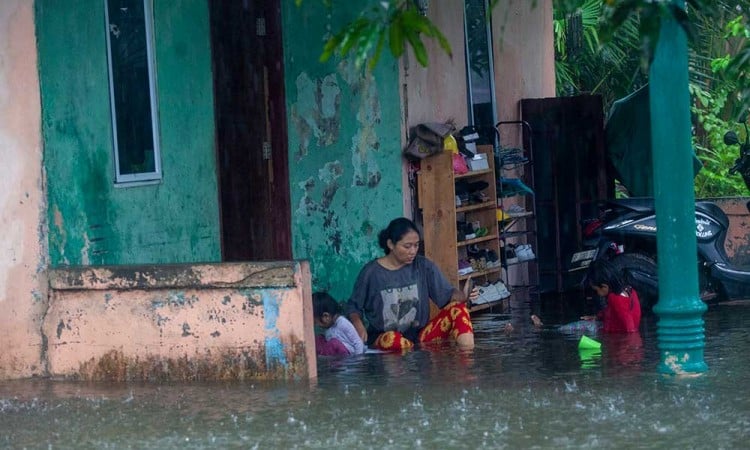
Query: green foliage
(398, 21)
(735, 65)
(604, 47)
(627, 32)
(717, 158)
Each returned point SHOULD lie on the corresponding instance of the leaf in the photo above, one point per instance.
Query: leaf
(412, 20)
(396, 38)
(330, 47)
(442, 40)
(353, 35)
(416, 44)
(378, 51)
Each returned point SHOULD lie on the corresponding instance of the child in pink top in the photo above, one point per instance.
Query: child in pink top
(341, 338)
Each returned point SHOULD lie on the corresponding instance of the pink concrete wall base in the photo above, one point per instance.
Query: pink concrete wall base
(180, 322)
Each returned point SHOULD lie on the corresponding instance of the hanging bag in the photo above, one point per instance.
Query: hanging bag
(427, 140)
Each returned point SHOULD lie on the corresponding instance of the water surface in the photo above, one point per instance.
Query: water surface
(526, 389)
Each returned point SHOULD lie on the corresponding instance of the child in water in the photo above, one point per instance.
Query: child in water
(340, 337)
(622, 314)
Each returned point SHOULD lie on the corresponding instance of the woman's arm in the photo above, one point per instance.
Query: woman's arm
(440, 290)
(461, 296)
(356, 320)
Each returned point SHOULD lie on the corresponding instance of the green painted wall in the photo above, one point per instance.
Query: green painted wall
(91, 221)
(344, 148)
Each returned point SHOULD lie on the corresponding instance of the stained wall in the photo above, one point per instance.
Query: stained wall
(344, 148)
(23, 244)
(92, 221)
(189, 322)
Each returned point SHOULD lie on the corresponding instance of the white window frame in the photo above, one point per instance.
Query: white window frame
(491, 67)
(156, 174)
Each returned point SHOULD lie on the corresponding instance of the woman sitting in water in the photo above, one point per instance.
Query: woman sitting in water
(622, 314)
(393, 294)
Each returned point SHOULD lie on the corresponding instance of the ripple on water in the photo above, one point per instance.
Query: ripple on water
(527, 389)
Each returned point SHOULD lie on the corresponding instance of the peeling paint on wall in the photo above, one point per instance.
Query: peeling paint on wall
(316, 112)
(216, 329)
(275, 356)
(365, 141)
(345, 137)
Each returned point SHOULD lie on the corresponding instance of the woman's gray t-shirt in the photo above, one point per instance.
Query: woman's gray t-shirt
(398, 300)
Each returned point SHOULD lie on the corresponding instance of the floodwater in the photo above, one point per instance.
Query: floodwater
(525, 389)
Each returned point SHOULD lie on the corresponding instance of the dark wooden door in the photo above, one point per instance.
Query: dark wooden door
(251, 129)
(571, 178)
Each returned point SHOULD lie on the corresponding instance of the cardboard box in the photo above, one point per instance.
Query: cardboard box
(478, 162)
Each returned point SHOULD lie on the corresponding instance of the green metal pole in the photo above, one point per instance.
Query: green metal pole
(680, 310)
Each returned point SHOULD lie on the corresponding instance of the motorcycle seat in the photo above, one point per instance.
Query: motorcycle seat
(712, 210)
(638, 204)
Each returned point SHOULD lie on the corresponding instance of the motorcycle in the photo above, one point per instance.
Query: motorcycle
(625, 234)
(742, 163)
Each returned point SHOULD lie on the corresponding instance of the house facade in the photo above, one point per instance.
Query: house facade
(260, 174)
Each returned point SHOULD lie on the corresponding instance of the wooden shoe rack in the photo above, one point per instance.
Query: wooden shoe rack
(441, 213)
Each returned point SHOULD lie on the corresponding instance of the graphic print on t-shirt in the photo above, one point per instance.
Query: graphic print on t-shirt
(399, 307)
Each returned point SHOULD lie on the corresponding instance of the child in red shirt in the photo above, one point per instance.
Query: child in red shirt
(623, 311)
(622, 314)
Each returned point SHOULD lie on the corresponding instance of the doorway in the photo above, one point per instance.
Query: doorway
(251, 135)
(572, 177)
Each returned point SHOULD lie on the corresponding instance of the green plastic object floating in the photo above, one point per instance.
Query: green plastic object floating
(586, 343)
(589, 357)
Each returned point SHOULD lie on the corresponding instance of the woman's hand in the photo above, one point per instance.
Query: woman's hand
(473, 294)
(462, 296)
(588, 317)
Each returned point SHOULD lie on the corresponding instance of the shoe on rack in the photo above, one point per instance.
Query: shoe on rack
(479, 197)
(524, 252)
(516, 211)
(481, 298)
(512, 157)
(512, 161)
(466, 188)
(492, 259)
(473, 251)
(510, 254)
(502, 289)
(487, 294)
(464, 268)
(468, 229)
(513, 186)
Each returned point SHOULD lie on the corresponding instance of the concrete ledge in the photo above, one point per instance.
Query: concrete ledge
(180, 322)
(176, 276)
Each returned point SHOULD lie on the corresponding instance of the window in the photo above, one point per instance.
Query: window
(132, 90)
(479, 69)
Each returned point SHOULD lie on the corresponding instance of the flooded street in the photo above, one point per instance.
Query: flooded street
(527, 389)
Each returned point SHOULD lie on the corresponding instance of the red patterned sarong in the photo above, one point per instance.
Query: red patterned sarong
(452, 321)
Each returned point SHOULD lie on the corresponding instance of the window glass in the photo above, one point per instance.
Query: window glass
(481, 88)
(129, 38)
